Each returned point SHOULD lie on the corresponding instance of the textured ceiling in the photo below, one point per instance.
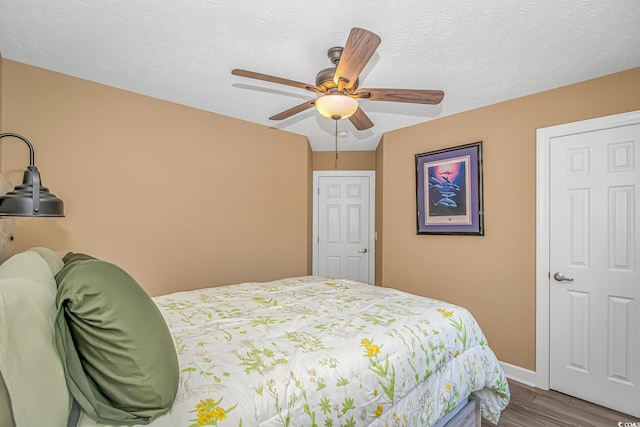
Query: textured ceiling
(478, 52)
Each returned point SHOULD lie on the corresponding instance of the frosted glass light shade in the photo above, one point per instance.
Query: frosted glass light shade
(336, 106)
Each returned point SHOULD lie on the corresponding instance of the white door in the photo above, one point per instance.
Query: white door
(594, 260)
(344, 225)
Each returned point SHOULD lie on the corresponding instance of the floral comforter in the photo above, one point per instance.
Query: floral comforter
(314, 351)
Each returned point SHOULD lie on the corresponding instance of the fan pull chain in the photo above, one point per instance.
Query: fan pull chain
(336, 165)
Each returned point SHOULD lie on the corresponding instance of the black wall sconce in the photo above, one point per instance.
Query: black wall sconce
(30, 198)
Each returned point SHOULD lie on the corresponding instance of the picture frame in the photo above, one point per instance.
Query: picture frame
(449, 197)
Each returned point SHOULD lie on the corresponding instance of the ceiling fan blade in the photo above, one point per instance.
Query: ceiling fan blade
(416, 96)
(360, 47)
(360, 120)
(274, 79)
(295, 110)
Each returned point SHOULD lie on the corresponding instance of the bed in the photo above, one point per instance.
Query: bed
(317, 351)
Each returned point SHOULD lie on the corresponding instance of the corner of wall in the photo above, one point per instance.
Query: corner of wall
(309, 209)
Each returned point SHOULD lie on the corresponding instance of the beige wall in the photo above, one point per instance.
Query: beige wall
(493, 276)
(347, 160)
(179, 197)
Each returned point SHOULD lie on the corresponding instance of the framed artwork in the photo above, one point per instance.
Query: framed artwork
(449, 191)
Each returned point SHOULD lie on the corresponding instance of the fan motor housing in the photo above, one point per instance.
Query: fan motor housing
(324, 80)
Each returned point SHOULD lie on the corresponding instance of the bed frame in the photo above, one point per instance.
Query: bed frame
(467, 416)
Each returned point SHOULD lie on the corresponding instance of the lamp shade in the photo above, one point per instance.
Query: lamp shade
(21, 201)
(30, 198)
(336, 106)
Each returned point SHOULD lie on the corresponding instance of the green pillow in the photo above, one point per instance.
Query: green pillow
(75, 256)
(52, 258)
(119, 357)
(6, 415)
(30, 366)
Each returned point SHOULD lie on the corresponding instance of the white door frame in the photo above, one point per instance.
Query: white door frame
(372, 216)
(543, 142)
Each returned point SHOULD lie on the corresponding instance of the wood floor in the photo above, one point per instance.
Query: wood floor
(532, 407)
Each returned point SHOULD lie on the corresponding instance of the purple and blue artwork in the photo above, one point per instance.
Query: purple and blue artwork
(447, 189)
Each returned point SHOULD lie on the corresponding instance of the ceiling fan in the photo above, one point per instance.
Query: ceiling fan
(338, 86)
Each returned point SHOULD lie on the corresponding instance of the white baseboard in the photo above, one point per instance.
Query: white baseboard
(516, 373)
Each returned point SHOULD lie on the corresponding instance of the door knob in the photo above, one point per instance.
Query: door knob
(561, 277)
(362, 251)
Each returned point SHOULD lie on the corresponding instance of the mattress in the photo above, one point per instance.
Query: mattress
(315, 351)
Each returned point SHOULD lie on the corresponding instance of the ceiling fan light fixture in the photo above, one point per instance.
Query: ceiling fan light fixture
(338, 87)
(336, 106)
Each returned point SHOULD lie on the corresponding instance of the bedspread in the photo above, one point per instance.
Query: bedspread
(313, 351)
